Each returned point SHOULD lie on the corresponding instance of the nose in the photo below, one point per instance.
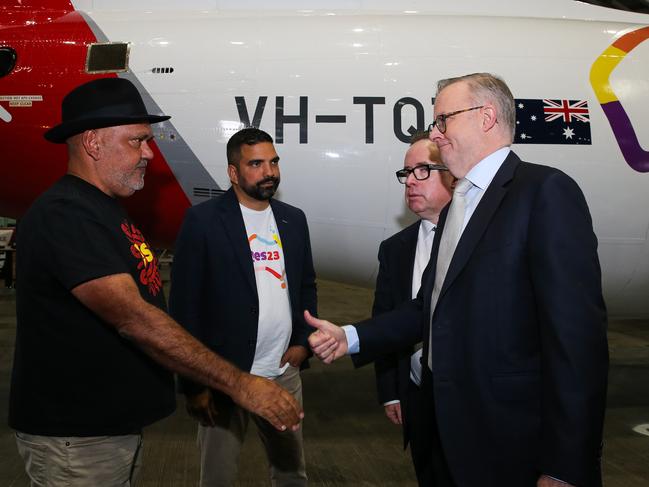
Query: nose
(147, 152)
(270, 169)
(411, 179)
(435, 134)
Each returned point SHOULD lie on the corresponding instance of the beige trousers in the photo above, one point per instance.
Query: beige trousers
(220, 445)
(107, 461)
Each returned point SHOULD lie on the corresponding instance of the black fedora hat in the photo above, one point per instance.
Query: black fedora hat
(103, 102)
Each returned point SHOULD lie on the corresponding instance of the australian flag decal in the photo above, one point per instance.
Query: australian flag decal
(552, 122)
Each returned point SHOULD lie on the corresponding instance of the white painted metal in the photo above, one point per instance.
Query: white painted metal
(347, 186)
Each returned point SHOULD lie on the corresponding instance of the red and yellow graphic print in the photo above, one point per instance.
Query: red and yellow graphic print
(148, 263)
(269, 252)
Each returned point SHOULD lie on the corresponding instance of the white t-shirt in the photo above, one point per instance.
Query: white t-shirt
(275, 323)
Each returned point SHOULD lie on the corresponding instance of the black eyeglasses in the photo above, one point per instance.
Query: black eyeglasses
(420, 172)
(440, 120)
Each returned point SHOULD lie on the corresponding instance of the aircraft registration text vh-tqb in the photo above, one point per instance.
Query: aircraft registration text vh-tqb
(340, 86)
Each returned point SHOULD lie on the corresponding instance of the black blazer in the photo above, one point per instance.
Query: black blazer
(213, 287)
(519, 346)
(393, 288)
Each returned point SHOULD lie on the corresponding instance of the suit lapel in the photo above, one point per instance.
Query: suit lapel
(287, 237)
(406, 259)
(232, 220)
(481, 218)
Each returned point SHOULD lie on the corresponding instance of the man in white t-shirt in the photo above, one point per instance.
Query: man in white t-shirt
(402, 260)
(242, 275)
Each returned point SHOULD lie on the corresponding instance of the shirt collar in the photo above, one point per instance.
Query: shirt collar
(484, 171)
(427, 226)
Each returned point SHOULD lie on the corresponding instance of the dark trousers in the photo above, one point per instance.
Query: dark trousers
(418, 435)
(435, 471)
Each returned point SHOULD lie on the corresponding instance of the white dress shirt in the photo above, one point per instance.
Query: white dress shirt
(422, 254)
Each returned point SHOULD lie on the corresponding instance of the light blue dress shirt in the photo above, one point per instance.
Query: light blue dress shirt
(480, 176)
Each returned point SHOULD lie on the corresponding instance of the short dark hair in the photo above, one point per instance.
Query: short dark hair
(432, 147)
(248, 136)
(419, 135)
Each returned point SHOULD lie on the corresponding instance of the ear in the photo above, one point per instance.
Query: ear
(489, 117)
(233, 174)
(91, 143)
(448, 180)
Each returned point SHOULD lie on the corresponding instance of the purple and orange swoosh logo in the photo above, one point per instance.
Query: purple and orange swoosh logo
(600, 72)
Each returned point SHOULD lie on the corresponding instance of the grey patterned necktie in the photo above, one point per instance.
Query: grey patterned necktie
(450, 237)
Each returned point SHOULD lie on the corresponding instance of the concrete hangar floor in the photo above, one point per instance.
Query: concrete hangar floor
(348, 441)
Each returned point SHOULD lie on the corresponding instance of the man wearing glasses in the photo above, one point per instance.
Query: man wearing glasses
(402, 260)
(512, 313)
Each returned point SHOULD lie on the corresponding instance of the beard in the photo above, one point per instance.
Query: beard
(135, 180)
(259, 192)
(126, 182)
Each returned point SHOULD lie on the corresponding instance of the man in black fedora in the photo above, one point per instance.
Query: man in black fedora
(94, 346)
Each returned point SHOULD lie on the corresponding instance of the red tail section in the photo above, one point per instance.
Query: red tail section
(51, 46)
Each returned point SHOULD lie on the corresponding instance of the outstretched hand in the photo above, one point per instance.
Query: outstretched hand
(329, 341)
(265, 398)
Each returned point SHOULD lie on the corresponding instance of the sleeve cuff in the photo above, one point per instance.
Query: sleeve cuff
(353, 344)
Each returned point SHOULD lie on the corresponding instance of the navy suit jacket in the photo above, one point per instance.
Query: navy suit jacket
(519, 348)
(393, 288)
(213, 287)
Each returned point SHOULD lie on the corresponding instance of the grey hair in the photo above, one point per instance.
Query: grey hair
(486, 86)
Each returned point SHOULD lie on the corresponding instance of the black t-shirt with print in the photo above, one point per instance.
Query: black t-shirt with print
(73, 374)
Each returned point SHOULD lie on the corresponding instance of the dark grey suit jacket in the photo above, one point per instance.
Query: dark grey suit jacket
(393, 288)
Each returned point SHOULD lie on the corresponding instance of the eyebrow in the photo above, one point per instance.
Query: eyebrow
(143, 136)
(274, 159)
(417, 164)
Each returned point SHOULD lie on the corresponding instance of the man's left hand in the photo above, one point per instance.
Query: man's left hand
(545, 481)
(294, 355)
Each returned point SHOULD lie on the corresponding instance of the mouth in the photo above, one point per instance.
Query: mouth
(268, 183)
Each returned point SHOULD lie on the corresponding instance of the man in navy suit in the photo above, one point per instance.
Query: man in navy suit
(402, 260)
(512, 315)
(242, 274)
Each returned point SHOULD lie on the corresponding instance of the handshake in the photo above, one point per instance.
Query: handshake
(328, 342)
